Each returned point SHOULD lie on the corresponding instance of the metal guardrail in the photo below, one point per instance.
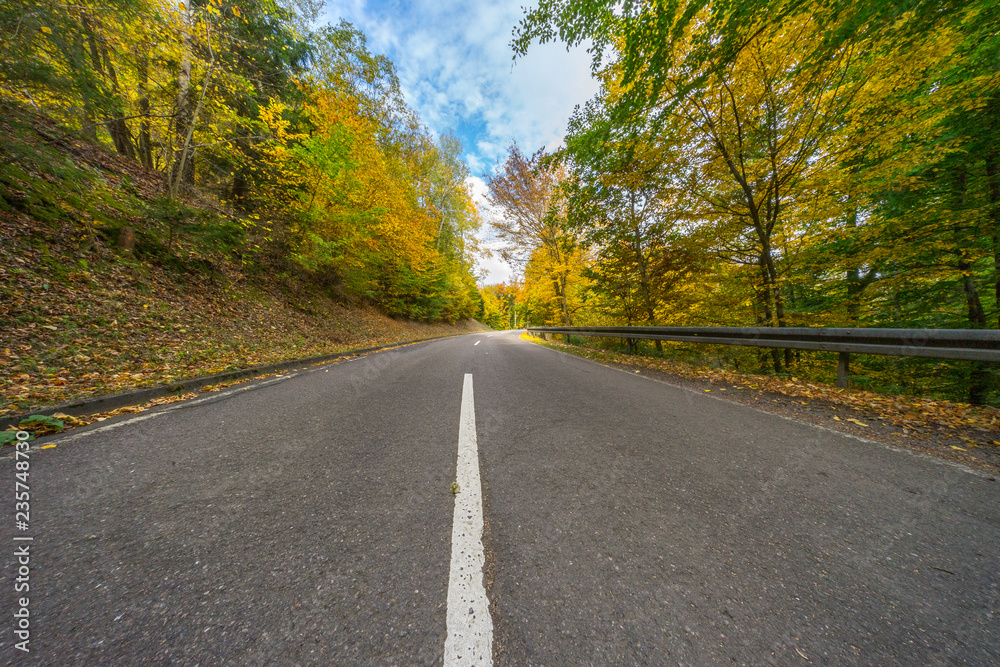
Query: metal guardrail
(963, 344)
(966, 344)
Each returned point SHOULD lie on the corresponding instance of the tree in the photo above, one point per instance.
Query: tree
(531, 222)
(304, 136)
(622, 203)
(838, 156)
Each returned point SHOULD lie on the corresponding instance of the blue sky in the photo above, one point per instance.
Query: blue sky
(457, 71)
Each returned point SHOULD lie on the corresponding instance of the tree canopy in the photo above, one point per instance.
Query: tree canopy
(764, 163)
(301, 135)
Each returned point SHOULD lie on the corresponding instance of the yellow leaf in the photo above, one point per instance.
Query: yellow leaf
(46, 446)
(836, 417)
(855, 421)
(46, 30)
(961, 449)
(236, 10)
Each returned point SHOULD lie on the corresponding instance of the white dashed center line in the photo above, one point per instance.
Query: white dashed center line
(476, 343)
(470, 628)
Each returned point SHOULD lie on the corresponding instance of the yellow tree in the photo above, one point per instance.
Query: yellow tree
(752, 134)
(532, 220)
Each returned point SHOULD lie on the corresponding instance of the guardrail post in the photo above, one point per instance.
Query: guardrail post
(843, 366)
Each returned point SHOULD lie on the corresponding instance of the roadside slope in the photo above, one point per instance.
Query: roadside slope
(81, 315)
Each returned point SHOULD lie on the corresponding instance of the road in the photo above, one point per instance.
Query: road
(308, 519)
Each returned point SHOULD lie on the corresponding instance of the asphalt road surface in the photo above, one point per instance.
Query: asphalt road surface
(308, 519)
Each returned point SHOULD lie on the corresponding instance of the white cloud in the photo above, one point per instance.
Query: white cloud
(489, 264)
(455, 64)
(490, 268)
(457, 72)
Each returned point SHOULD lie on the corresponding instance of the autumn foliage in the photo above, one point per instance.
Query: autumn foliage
(296, 140)
(783, 164)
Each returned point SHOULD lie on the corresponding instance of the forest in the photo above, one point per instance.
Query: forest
(284, 145)
(760, 163)
(745, 163)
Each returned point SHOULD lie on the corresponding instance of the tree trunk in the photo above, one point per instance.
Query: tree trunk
(88, 116)
(771, 276)
(560, 280)
(762, 315)
(187, 150)
(769, 291)
(563, 280)
(183, 166)
(113, 120)
(239, 192)
(993, 183)
(979, 376)
(644, 289)
(853, 278)
(116, 125)
(145, 142)
(856, 283)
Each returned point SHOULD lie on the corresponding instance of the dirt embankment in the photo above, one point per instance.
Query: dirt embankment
(81, 316)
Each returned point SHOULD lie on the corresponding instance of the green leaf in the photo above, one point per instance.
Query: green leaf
(41, 424)
(10, 438)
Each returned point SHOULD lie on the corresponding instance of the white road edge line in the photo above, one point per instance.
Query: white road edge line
(170, 408)
(470, 627)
